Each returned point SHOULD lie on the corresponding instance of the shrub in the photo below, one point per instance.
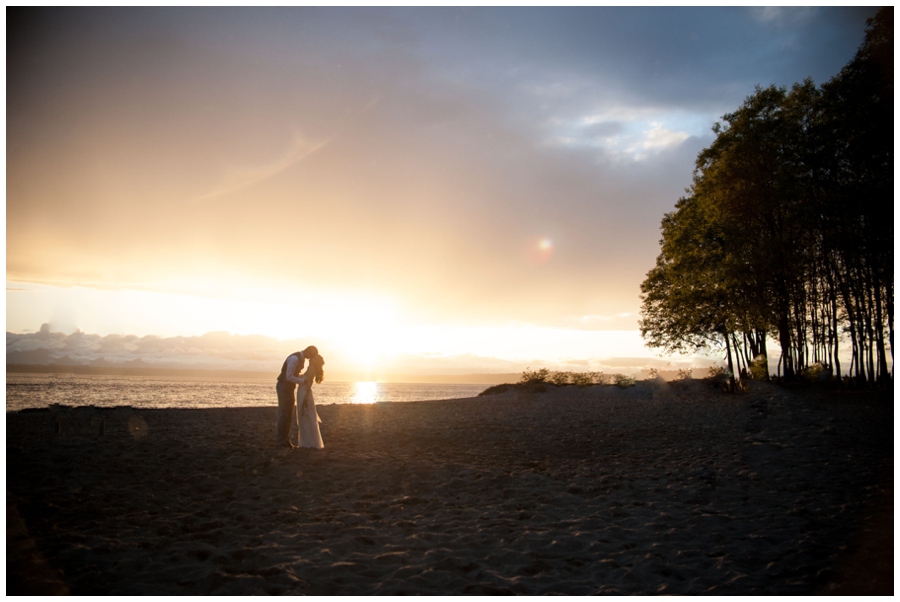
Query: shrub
(717, 372)
(623, 380)
(582, 379)
(561, 379)
(534, 376)
(685, 373)
(815, 372)
(599, 378)
(654, 373)
(759, 367)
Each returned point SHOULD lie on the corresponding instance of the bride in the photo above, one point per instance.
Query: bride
(308, 421)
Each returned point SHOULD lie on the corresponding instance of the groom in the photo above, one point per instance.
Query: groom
(285, 387)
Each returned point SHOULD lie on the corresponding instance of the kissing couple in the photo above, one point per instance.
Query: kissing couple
(295, 389)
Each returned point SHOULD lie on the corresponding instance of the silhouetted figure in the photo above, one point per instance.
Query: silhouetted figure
(285, 387)
(309, 434)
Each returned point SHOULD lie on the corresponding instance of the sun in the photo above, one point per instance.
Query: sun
(365, 392)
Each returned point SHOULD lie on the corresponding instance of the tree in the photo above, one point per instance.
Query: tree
(856, 202)
(686, 304)
(788, 227)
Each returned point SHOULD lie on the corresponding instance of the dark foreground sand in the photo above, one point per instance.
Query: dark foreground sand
(660, 488)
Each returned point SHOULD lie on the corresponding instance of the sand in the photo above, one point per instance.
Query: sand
(657, 489)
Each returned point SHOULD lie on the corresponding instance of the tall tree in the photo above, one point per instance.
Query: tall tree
(856, 203)
(788, 226)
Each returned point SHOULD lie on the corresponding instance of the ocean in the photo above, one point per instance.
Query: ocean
(42, 390)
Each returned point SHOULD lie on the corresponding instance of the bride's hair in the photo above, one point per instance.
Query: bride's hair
(317, 362)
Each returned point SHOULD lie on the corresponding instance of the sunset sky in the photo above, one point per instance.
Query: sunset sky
(478, 187)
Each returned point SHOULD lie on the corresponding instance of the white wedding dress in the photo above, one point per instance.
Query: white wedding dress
(308, 433)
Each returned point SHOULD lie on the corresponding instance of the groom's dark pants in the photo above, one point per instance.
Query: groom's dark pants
(286, 401)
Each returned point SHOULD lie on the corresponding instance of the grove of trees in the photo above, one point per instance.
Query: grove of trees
(786, 233)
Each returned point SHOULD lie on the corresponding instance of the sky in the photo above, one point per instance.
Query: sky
(454, 188)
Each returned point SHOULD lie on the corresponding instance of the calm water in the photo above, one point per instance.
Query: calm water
(42, 390)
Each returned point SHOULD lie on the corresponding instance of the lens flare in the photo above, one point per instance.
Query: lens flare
(539, 250)
(138, 428)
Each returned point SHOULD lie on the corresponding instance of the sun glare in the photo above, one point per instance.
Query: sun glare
(366, 392)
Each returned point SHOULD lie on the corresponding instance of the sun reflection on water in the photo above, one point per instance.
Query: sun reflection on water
(366, 392)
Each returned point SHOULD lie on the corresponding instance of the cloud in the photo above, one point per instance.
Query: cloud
(218, 351)
(419, 149)
(602, 319)
(659, 138)
(213, 351)
(630, 133)
(222, 351)
(783, 15)
(300, 149)
(241, 178)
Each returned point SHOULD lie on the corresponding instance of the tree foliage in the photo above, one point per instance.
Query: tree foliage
(787, 229)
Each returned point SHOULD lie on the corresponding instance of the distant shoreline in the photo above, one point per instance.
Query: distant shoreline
(474, 379)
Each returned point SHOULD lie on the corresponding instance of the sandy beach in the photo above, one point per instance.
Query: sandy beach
(661, 488)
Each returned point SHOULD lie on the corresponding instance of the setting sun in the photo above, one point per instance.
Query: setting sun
(365, 392)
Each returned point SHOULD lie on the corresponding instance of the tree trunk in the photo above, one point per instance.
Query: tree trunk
(732, 384)
(784, 338)
(761, 336)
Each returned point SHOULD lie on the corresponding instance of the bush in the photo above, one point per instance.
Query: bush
(534, 376)
(599, 378)
(685, 373)
(817, 372)
(717, 372)
(759, 367)
(582, 379)
(561, 379)
(623, 380)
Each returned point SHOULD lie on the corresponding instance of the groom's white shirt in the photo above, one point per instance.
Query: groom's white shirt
(291, 368)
